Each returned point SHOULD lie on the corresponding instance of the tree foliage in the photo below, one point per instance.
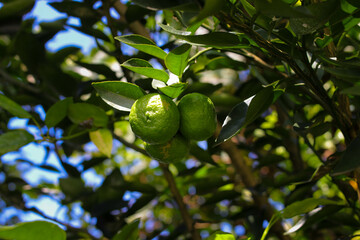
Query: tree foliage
(284, 78)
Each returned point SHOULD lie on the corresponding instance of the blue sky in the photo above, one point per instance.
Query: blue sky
(42, 12)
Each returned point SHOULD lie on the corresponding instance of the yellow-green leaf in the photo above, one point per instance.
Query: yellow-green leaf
(102, 138)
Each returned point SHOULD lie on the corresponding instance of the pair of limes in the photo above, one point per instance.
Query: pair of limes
(167, 129)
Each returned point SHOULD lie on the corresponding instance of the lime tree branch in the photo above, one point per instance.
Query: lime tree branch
(250, 182)
(178, 198)
(173, 188)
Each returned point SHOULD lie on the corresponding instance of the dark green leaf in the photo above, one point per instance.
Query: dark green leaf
(355, 3)
(143, 67)
(129, 232)
(72, 187)
(349, 74)
(76, 9)
(92, 32)
(39, 230)
(142, 44)
(87, 115)
(119, 95)
(57, 112)
(225, 62)
(321, 13)
(245, 113)
(63, 53)
(188, 5)
(135, 13)
(305, 206)
(211, 7)
(99, 68)
(355, 91)
(176, 59)
(173, 90)
(93, 162)
(280, 9)
(213, 39)
(233, 122)
(350, 158)
(12, 107)
(15, 8)
(259, 104)
(13, 140)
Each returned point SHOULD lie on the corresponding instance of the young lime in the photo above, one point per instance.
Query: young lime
(172, 151)
(197, 116)
(154, 118)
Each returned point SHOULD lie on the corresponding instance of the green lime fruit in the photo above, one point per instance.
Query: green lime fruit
(154, 118)
(197, 116)
(172, 151)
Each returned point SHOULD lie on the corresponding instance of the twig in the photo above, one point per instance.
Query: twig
(135, 26)
(8, 78)
(173, 188)
(130, 145)
(250, 182)
(178, 198)
(68, 226)
(119, 56)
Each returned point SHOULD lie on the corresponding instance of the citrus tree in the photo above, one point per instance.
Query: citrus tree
(203, 119)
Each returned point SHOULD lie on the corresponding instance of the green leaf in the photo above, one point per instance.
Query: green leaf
(176, 60)
(13, 140)
(57, 112)
(219, 235)
(87, 115)
(81, 10)
(321, 13)
(280, 9)
(119, 95)
(184, 5)
(355, 90)
(259, 104)
(99, 68)
(225, 62)
(213, 39)
(233, 122)
(102, 138)
(92, 32)
(15, 8)
(345, 73)
(245, 113)
(173, 90)
(12, 107)
(355, 3)
(142, 44)
(305, 206)
(211, 7)
(349, 159)
(250, 9)
(128, 232)
(39, 230)
(72, 187)
(143, 67)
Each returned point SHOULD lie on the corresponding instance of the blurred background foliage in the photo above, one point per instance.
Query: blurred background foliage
(282, 165)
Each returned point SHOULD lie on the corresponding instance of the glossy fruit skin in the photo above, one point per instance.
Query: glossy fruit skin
(172, 151)
(197, 117)
(154, 118)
